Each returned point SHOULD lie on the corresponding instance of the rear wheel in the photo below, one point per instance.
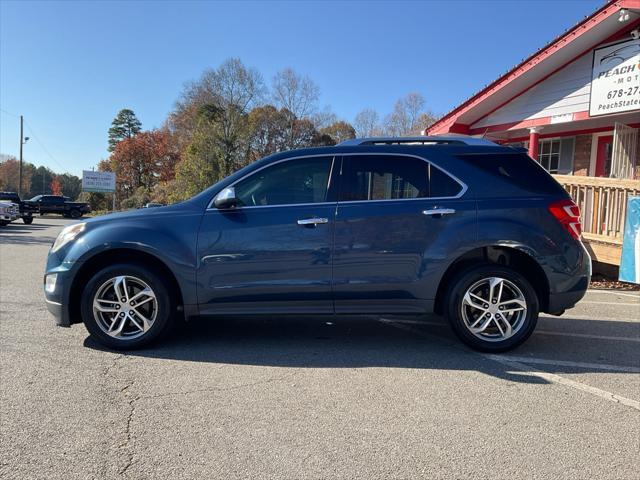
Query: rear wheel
(492, 308)
(126, 306)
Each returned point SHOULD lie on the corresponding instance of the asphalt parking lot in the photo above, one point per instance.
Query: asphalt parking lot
(313, 398)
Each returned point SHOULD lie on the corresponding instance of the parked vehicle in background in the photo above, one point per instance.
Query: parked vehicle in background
(8, 212)
(26, 211)
(59, 204)
(154, 204)
(478, 232)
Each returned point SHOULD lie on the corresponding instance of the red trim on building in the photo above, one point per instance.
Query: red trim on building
(572, 133)
(441, 126)
(534, 122)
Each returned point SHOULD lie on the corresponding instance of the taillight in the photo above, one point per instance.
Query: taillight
(568, 214)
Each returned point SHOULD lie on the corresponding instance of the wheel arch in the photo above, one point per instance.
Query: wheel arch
(509, 256)
(120, 255)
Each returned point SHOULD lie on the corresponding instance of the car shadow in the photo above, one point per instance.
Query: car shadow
(341, 343)
(19, 233)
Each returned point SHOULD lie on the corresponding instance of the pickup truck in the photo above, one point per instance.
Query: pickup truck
(8, 213)
(59, 204)
(25, 210)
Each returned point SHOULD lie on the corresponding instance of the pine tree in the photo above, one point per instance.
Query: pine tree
(125, 125)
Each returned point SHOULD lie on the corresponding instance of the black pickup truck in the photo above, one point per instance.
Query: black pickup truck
(26, 210)
(59, 204)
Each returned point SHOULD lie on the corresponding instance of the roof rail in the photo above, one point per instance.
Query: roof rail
(421, 140)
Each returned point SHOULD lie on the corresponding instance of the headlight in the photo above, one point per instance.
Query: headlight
(68, 234)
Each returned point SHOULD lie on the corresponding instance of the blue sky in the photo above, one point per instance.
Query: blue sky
(68, 67)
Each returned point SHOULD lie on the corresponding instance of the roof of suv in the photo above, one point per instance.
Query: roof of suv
(420, 140)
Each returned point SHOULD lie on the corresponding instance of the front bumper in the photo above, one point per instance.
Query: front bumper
(58, 300)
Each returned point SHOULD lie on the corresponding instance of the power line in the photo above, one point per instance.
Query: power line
(37, 139)
(45, 148)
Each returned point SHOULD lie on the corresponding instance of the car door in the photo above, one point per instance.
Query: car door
(272, 253)
(399, 218)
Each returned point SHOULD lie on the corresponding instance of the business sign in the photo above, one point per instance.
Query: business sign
(630, 260)
(615, 79)
(98, 181)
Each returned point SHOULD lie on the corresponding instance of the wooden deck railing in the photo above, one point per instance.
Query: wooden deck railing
(603, 204)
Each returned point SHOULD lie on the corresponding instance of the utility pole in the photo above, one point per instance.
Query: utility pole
(20, 168)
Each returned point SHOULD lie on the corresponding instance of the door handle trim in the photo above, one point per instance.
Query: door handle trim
(439, 211)
(312, 221)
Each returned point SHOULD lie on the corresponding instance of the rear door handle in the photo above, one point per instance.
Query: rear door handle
(312, 221)
(438, 212)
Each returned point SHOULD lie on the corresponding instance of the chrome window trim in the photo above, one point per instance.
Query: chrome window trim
(334, 157)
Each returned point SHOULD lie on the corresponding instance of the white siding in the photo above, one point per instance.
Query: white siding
(566, 91)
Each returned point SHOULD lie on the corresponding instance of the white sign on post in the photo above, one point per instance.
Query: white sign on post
(615, 79)
(103, 182)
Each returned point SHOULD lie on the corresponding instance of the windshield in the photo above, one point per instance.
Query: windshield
(36, 198)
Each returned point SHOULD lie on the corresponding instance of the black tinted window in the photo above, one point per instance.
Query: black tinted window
(441, 184)
(379, 177)
(518, 169)
(287, 183)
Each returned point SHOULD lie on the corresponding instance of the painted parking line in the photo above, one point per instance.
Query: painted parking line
(586, 335)
(514, 362)
(609, 292)
(552, 377)
(563, 363)
(570, 316)
(635, 339)
(622, 304)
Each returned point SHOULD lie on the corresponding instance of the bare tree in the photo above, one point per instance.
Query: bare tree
(367, 123)
(404, 120)
(297, 93)
(324, 118)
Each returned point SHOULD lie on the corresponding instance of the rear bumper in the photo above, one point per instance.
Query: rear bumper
(566, 300)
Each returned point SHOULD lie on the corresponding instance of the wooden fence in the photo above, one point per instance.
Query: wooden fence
(603, 206)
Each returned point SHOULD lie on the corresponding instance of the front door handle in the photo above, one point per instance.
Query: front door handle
(312, 221)
(439, 212)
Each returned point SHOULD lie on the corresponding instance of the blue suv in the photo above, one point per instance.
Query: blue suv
(460, 226)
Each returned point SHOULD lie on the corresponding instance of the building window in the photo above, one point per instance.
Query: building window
(549, 155)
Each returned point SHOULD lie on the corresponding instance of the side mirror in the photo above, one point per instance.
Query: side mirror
(226, 198)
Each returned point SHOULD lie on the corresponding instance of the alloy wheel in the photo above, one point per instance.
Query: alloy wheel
(494, 309)
(125, 307)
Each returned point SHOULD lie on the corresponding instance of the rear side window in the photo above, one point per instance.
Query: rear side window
(393, 177)
(518, 169)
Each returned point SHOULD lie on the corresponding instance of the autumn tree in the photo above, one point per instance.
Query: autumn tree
(124, 125)
(339, 131)
(56, 187)
(10, 175)
(143, 160)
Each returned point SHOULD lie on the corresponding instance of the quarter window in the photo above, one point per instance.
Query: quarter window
(379, 177)
(287, 183)
(549, 155)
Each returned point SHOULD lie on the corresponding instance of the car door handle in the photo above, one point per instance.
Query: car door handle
(438, 212)
(312, 221)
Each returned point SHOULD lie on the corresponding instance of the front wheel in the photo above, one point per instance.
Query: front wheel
(27, 220)
(126, 306)
(492, 308)
(75, 213)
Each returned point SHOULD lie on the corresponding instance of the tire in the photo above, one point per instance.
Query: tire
(3, 223)
(27, 220)
(75, 213)
(130, 336)
(508, 325)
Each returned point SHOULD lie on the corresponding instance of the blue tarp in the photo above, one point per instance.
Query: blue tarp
(630, 261)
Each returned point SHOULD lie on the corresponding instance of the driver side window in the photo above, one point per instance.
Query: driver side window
(289, 182)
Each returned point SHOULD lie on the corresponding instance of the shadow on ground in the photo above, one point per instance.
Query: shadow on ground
(329, 343)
